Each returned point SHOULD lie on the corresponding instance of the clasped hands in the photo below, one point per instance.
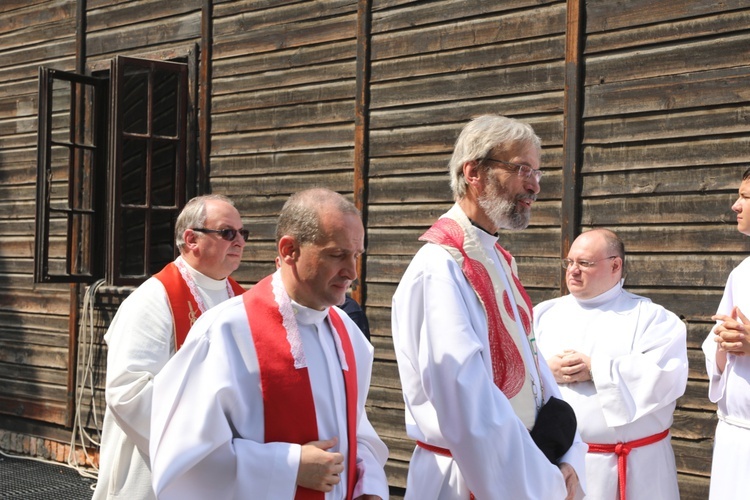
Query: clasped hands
(320, 469)
(731, 334)
(570, 366)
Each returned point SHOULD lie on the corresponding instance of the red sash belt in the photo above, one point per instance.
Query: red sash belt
(622, 450)
(440, 451)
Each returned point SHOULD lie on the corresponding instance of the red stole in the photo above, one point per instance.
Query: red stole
(288, 406)
(182, 303)
(454, 233)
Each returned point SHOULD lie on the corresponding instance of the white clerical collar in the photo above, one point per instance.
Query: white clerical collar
(602, 298)
(486, 239)
(202, 280)
(308, 316)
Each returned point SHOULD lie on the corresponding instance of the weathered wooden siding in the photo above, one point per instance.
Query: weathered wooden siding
(665, 138)
(34, 341)
(283, 102)
(150, 29)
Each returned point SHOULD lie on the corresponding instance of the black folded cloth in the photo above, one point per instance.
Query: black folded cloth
(554, 429)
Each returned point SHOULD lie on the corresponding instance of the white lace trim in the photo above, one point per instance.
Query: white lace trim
(289, 321)
(188, 277)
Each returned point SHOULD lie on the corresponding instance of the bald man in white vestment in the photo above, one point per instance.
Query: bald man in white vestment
(727, 354)
(621, 362)
(266, 398)
(473, 385)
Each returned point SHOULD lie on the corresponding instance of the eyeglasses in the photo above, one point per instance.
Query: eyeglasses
(583, 264)
(226, 234)
(524, 171)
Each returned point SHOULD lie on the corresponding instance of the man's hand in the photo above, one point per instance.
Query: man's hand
(731, 335)
(570, 366)
(319, 469)
(571, 479)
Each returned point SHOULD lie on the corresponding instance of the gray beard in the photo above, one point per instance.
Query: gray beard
(503, 212)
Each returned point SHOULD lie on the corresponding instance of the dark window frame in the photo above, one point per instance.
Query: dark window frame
(76, 144)
(150, 210)
(102, 244)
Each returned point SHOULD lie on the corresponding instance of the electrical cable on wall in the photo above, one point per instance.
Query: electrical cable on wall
(86, 347)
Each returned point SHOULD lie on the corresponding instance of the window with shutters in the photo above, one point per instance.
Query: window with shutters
(112, 171)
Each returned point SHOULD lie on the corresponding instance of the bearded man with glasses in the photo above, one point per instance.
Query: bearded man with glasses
(477, 395)
(151, 325)
(621, 362)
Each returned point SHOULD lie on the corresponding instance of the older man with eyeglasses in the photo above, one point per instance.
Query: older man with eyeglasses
(477, 394)
(151, 325)
(621, 362)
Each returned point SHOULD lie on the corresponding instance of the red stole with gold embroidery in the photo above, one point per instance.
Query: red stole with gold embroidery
(182, 303)
(288, 406)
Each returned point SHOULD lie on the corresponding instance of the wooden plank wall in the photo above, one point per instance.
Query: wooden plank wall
(665, 142)
(150, 29)
(282, 109)
(34, 352)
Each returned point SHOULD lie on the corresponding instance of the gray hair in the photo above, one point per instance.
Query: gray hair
(483, 135)
(300, 216)
(194, 215)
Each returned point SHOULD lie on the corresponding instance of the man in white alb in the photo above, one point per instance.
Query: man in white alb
(461, 320)
(150, 325)
(621, 362)
(266, 399)
(727, 352)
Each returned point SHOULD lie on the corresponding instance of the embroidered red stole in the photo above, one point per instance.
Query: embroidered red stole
(182, 303)
(288, 406)
(509, 372)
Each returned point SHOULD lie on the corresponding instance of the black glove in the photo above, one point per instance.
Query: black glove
(554, 429)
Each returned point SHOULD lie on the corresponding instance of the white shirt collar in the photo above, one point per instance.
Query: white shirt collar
(202, 280)
(308, 316)
(602, 298)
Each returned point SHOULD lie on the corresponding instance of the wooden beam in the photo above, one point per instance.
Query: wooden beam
(361, 129)
(572, 119)
(204, 97)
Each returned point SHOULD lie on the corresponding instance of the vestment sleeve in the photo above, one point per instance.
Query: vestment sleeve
(576, 455)
(650, 377)
(205, 397)
(372, 453)
(449, 391)
(717, 379)
(139, 344)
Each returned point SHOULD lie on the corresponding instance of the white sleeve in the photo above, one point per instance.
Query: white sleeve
(717, 380)
(372, 452)
(451, 395)
(139, 343)
(576, 455)
(651, 377)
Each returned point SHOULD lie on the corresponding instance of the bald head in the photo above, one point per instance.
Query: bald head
(319, 238)
(598, 257)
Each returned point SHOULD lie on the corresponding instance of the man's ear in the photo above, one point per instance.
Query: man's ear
(471, 172)
(190, 238)
(288, 249)
(617, 264)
